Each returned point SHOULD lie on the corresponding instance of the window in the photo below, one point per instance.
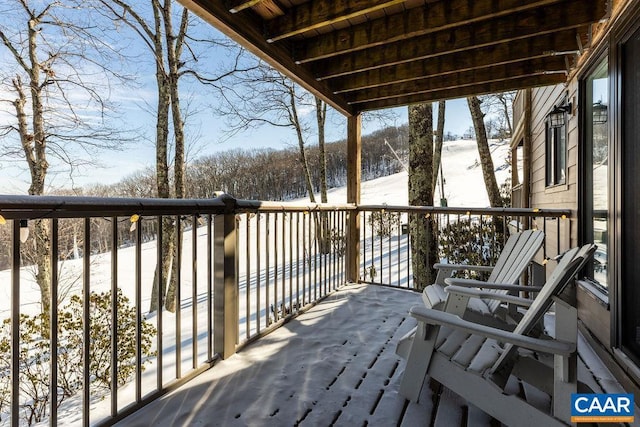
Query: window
(596, 171)
(556, 153)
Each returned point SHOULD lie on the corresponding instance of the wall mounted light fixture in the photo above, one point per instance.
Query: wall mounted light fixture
(557, 115)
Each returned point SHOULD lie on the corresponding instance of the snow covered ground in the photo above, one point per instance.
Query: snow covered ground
(464, 186)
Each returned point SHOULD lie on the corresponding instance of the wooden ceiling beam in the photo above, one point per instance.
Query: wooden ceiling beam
(246, 30)
(239, 5)
(321, 13)
(475, 77)
(463, 92)
(482, 34)
(431, 18)
(500, 54)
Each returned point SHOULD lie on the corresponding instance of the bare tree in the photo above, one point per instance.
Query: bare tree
(437, 151)
(262, 96)
(500, 104)
(421, 227)
(175, 51)
(488, 174)
(55, 78)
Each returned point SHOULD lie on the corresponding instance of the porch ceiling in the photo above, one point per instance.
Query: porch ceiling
(369, 54)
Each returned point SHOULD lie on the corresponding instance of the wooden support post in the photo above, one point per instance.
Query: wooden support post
(225, 291)
(526, 152)
(354, 172)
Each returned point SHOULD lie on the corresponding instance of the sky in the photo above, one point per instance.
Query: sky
(135, 111)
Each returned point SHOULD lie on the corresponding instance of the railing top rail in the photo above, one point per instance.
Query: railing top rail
(528, 212)
(265, 206)
(35, 207)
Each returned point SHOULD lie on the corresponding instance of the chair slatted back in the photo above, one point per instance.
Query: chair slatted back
(514, 259)
(570, 264)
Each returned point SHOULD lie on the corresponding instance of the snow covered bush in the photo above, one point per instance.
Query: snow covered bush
(384, 223)
(471, 241)
(35, 352)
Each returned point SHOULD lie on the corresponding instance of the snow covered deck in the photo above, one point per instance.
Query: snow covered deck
(333, 365)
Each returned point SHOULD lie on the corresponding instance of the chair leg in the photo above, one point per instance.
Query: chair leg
(418, 361)
(565, 381)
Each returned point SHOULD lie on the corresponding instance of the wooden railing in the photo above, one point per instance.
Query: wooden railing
(385, 256)
(242, 269)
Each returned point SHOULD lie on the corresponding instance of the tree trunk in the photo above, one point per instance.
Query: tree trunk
(321, 116)
(174, 51)
(437, 152)
(422, 228)
(505, 111)
(34, 147)
(303, 155)
(162, 166)
(485, 154)
(324, 230)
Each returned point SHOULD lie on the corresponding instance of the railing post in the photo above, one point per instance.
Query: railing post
(354, 167)
(225, 291)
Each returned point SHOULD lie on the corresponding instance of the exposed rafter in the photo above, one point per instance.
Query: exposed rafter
(500, 54)
(491, 74)
(437, 17)
(239, 5)
(500, 30)
(317, 14)
(462, 92)
(366, 54)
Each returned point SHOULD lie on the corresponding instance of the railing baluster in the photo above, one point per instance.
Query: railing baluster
(15, 324)
(53, 325)
(284, 265)
(86, 323)
(114, 316)
(276, 315)
(194, 291)
(247, 276)
(268, 272)
(138, 303)
(258, 270)
(298, 261)
(209, 288)
(178, 294)
(305, 217)
(291, 263)
(159, 275)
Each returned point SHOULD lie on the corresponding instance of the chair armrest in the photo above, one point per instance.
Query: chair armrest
(477, 293)
(472, 283)
(446, 266)
(437, 317)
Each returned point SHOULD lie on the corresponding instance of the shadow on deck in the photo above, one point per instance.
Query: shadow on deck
(333, 365)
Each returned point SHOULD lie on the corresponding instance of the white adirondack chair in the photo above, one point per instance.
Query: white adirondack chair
(511, 264)
(475, 360)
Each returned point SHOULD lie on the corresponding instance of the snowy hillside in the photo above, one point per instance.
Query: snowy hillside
(463, 182)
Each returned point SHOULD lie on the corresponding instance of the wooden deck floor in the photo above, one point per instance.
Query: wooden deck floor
(334, 365)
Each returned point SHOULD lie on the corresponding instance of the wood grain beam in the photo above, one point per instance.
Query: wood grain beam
(461, 92)
(486, 33)
(474, 77)
(239, 5)
(500, 54)
(247, 31)
(443, 15)
(317, 14)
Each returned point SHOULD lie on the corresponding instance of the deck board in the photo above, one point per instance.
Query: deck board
(320, 369)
